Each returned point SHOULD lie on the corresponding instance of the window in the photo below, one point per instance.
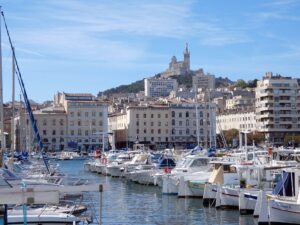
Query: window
(53, 140)
(145, 115)
(100, 123)
(187, 131)
(152, 123)
(152, 115)
(94, 122)
(152, 131)
(86, 133)
(187, 114)
(93, 114)
(187, 122)
(54, 122)
(137, 131)
(72, 123)
(79, 132)
(79, 122)
(72, 114)
(45, 122)
(137, 123)
(86, 114)
(159, 131)
(137, 116)
(53, 132)
(61, 140)
(72, 132)
(100, 114)
(180, 123)
(166, 115)
(78, 113)
(173, 131)
(44, 132)
(167, 131)
(201, 122)
(180, 114)
(180, 132)
(145, 131)
(61, 122)
(159, 123)
(173, 122)
(145, 123)
(158, 115)
(61, 132)
(173, 114)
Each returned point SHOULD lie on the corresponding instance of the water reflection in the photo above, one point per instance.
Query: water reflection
(125, 202)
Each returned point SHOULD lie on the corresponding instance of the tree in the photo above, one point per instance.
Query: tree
(252, 83)
(230, 135)
(240, 83)
(256, 137)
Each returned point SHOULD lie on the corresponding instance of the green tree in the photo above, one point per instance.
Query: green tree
(230, 135)
(240, 83)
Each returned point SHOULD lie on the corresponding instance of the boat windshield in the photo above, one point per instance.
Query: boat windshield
(8, 175)
(199, 162)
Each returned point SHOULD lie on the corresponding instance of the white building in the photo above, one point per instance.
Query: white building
(87, 118)
(278, 107)
(165, 125)
(242, 121)
(74, 121)
(155, 87)
(205, 82)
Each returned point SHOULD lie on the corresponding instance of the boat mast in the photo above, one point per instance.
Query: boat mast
(12, 146)
(197, 117)
(1, 104)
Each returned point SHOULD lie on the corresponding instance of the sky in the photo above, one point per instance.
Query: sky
(92, 45)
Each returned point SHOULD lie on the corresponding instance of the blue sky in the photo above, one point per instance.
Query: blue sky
(90, 46)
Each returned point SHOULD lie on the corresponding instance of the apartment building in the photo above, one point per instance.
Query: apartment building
(155, 87)
(87, 119)
(278, 107)
(74, 120)
(205, 82)
(240, 120)
(165, 125)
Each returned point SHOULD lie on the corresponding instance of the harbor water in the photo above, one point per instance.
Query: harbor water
(125, 202)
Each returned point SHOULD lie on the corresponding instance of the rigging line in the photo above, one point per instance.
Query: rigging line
(22, 86)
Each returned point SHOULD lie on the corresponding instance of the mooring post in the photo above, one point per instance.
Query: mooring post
(100, 207)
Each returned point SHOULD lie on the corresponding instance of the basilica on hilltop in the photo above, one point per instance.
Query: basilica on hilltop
(178, 67)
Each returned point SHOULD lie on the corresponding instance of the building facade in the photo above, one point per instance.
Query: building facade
(242, 121)
(77, 121)
(278, 107)
(155, 87)
(165, 125)
(205, 82)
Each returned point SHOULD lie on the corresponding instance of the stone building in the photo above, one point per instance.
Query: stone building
(178, 67)
(165, 125)
(76, 121)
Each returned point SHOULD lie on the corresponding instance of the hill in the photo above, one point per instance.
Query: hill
(138, 86)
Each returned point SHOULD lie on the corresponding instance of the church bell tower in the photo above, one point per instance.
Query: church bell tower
(186, 58)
